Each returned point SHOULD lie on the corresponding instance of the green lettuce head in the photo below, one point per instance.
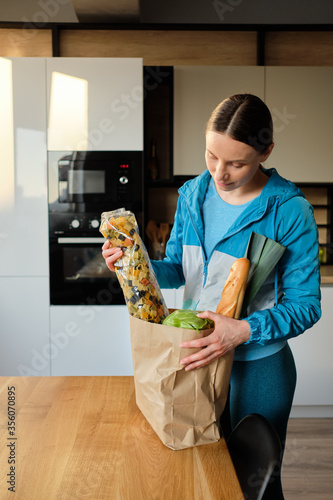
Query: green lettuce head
(188, 319)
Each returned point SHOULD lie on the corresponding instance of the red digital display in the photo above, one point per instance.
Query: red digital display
(124, 165)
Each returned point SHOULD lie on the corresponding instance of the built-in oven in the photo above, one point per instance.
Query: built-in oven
(82, 185)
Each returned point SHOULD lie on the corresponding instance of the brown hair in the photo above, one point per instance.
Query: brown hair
(245, 118)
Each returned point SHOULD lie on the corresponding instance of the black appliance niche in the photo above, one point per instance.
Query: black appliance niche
(81, 186)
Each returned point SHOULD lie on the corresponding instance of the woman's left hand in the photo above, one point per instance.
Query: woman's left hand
(227, 334)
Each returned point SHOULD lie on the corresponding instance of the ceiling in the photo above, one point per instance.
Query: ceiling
(69, 11)
(106, 10)
(170, 11)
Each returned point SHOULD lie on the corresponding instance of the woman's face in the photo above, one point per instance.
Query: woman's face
(233, 164)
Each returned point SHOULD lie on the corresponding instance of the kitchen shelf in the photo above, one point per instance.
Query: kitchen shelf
(158, 118)
(158, 127)
(320, 195)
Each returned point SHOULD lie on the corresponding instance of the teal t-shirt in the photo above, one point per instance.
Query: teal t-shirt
(218, 217)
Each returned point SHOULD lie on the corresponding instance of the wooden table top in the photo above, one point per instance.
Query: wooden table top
(85, 438)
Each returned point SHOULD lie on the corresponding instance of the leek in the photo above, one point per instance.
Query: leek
(263, 254)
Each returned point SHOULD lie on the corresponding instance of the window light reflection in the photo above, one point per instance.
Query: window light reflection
(7, 183)
(68, 118)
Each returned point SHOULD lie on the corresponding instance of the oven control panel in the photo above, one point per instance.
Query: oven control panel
(84, 223)
(69, 224)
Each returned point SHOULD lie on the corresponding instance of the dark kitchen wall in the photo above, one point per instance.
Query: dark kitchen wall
(164, 47)
(237, 11)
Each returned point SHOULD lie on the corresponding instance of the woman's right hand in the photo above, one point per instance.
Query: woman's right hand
(111, 254)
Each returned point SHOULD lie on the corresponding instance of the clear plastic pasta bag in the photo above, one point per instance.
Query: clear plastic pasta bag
(134, 270)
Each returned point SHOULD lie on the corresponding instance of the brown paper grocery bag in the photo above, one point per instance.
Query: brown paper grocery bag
(183, 408)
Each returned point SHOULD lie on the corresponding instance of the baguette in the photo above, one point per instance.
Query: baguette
(234, 289)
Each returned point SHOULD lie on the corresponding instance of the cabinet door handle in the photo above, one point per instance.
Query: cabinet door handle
(78, 240)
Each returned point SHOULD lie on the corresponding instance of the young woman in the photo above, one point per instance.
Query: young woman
(216, 213)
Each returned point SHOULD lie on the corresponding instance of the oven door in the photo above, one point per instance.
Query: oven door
(79, 275)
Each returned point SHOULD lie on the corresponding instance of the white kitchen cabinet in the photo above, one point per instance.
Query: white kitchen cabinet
(24, 332)
(197, 91)
(93, 340)
(95, 104)
(169, 297)
(299, 99)
(90, 340)
(313, 356)
(23, 173)
(301, 103)
(179, 295)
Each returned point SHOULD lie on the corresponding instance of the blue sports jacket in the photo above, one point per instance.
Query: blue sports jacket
(280, 310)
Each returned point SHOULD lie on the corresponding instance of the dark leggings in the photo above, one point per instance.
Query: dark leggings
(264, 386)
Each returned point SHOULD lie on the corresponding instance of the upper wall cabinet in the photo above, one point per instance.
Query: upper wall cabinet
(301, 103)
(23, 184)
(94, 104)
(197, 91)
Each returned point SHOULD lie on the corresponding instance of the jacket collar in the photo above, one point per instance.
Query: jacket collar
(276, 191)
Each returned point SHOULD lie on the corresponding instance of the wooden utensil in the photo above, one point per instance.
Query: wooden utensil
(164, 231)
(153, 234)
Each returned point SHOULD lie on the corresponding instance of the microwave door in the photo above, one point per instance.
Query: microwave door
(84, 185)
(64, 167)
(76, 185)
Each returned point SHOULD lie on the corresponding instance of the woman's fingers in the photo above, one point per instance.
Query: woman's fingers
(202, 362)
(211, 349)
(106, 244)
(111, 254)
